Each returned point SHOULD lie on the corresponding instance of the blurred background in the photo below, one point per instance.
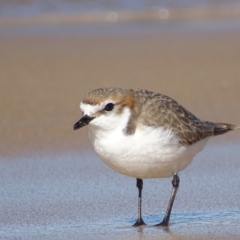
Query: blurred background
(53, 52)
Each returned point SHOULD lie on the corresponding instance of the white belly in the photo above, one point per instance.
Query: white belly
(149, 153)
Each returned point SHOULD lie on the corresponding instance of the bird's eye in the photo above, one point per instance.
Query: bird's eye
(109, 107)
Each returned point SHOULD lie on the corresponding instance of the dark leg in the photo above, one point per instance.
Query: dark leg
(139, 221)
(175, 184)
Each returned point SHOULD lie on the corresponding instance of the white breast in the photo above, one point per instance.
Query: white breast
(149, 153)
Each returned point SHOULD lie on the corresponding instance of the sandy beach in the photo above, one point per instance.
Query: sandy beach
(53, 186)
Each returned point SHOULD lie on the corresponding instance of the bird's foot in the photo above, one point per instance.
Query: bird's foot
(139, 222)
(164, 223)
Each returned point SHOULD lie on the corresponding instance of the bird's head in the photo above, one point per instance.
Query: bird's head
(106, 109)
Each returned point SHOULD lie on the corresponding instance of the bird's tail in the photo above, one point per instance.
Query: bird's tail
(221, 128)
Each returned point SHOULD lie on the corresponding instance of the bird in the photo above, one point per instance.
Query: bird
(144, 134)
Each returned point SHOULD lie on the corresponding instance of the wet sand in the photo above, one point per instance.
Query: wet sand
(53, 186)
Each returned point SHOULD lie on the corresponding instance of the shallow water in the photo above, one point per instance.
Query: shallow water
(70, 196)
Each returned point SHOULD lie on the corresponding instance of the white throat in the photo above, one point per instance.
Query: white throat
(110, 123)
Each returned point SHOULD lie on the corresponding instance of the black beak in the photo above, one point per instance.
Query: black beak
(85, 120)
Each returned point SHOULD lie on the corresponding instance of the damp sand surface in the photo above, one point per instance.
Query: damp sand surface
(53, 186)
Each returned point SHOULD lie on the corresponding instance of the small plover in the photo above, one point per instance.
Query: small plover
(143, 134)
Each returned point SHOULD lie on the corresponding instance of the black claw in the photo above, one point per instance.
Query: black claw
(164, 223)
(139, 222)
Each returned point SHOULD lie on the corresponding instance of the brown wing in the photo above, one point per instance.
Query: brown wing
(160, 110)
